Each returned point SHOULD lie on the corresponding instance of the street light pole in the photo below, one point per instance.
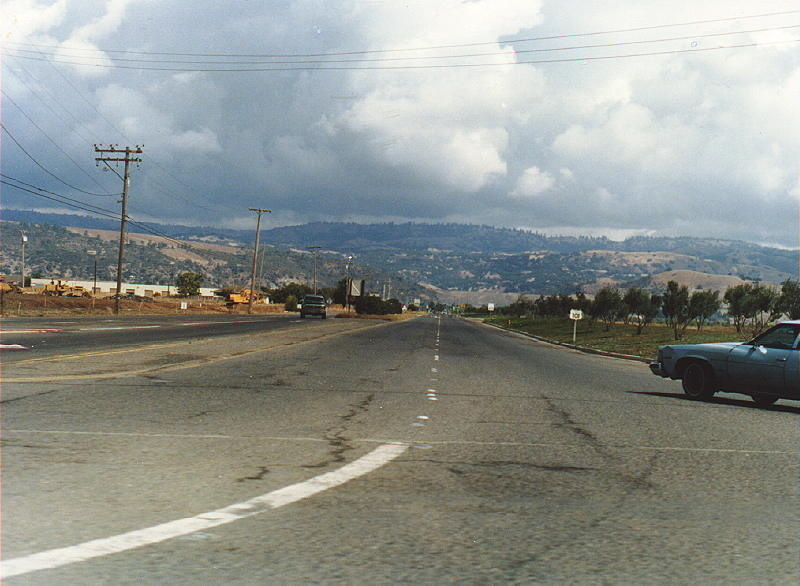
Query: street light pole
(314, 249)
(347, 264)
(23, 240)
(93, 254)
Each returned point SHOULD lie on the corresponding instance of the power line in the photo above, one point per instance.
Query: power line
(433, 47)
(56, 194)
(77, 204)
(149, 158)
(39, 128)
(43, 168)
(61, 201)
(158, 166)
(430, 57)
(317, 67)
(38, 95)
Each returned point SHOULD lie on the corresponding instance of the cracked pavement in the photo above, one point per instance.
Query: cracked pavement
(532, 464)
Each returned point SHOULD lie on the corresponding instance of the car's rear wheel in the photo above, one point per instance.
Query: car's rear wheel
(698, 381)
(764, 400)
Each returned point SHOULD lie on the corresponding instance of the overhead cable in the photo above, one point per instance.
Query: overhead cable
(320, 67)
(429, 57)
(46, 170)
(437, 47)
(39, 128)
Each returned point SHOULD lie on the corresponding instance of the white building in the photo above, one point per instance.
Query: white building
(110, 287)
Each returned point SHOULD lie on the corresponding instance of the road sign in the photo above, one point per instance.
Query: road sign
(575, 315)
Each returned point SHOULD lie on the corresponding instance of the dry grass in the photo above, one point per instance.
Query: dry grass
(16, 305)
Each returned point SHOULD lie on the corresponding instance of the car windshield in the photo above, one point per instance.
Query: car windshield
(783, 336)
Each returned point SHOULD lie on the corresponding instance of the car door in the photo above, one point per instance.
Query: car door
(766, 364)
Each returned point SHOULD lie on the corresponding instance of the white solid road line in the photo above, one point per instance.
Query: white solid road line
(55, 558)
(12, 347)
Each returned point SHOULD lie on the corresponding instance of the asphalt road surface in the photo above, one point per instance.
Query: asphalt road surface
(427, 451)
(54, 336)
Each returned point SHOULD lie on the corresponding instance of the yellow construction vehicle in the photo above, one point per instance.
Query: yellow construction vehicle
(8, 286)
(242, 297)
(63, 290)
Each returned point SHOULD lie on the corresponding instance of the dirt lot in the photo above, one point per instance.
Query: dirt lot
(14, 304)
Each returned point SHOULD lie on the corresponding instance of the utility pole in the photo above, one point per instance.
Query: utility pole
(259, 211)
(106, 156)
(314, 249)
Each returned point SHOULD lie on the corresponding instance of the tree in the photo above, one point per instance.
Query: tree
(281, 294)
(675, 306)
(789, 300)
(642, 305)
(702, 305)
(189, 283)
(290, 303)
(736, 297)
(374, 305)
(761, 307)
(521, 307)
(607, 306)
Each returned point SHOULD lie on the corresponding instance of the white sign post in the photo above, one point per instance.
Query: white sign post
(575, 315)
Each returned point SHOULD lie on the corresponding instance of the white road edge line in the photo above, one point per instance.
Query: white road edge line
(55, 558)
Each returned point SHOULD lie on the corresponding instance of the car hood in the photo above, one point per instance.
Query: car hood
(716, 346)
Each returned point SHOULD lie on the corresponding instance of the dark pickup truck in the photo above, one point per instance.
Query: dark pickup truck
(313, 305)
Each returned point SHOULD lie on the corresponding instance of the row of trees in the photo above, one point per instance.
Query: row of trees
(750, 306)
(292, 293)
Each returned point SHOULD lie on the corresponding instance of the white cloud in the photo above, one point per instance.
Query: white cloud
(139, 116)
(22, 20)
(533, 182)
(702, 143)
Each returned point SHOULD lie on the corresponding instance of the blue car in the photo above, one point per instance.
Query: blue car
(767, 368)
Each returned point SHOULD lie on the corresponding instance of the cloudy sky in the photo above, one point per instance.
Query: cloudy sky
(670, 117)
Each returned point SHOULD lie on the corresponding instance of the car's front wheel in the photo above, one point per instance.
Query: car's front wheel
(698, 381)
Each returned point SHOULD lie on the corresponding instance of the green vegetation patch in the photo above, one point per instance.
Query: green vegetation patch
(620, 338)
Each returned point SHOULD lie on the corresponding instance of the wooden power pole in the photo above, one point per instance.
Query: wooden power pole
(111, 154)
(259, 211)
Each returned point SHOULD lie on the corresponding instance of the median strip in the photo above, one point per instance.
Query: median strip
(208, 346)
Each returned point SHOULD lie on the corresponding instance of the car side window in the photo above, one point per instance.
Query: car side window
(782, 337)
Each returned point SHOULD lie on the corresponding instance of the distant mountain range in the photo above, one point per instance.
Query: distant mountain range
(451, 261)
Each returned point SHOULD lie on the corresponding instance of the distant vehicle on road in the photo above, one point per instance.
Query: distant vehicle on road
(313, 305)
(767, 368)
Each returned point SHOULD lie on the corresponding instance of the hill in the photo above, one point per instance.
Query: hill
(448, 260)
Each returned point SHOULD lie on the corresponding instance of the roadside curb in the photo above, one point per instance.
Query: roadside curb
(583, 349)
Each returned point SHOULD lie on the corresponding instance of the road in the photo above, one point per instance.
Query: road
(52, 337)
(429, 451)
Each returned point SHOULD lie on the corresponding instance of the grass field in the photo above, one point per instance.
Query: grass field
(620, 338)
